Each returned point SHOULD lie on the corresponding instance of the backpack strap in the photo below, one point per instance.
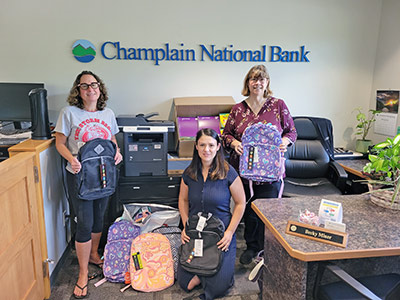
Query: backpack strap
(282, 163)
(282, 171)
(281, 188)
(251, 191)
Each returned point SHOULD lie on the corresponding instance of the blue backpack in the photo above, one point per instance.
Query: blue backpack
(98, 176)
(262, 161)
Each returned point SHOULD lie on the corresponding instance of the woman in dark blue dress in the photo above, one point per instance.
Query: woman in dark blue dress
(207, 186)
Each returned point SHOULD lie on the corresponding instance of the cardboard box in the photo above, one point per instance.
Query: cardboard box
(198, 106)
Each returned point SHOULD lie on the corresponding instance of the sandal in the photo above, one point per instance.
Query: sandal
(93, 276)
(99, 265)
(81, 288)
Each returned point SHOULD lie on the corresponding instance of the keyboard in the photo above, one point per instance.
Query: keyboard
(340, 150)
(342, 153)
(12, 131)
(11, 141)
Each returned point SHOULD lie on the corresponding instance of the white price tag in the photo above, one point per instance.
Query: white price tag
(201, 223)
(198, 247)
(255, 159)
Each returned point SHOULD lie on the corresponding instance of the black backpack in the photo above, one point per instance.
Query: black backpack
(210, 262)
(98, 175)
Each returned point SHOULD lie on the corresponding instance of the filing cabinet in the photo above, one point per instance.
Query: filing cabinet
(149, 189)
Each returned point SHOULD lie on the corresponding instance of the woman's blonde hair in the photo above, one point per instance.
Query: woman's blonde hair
(74, 98)
(259, 71)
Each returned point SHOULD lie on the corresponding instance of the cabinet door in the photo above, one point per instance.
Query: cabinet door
(21, 270)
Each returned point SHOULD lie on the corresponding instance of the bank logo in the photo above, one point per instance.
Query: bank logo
(84, 51)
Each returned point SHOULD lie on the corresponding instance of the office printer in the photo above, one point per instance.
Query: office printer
(145, 144)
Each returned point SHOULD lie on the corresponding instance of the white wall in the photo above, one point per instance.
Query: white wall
(37, 37)
(387, 64)
(55, 204)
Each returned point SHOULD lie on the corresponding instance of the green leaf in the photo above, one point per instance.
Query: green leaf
(381, 145)
(360, 116)
(379, 164)
(396, 139)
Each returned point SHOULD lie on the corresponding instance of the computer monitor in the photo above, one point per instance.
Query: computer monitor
(14, 101)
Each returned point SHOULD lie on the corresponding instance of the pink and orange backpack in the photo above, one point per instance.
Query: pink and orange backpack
(151, 263)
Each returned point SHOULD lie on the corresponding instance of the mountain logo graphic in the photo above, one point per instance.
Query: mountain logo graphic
(84, 51)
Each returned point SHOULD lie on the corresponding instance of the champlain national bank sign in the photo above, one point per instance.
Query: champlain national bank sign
(84, 51)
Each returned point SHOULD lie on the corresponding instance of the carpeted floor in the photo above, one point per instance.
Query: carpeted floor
(66, 278)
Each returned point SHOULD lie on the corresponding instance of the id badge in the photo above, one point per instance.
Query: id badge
(198, 247)
(201, 223)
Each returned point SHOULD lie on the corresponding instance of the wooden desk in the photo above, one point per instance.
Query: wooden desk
(291, 261)
(354, 169)
(353, 166)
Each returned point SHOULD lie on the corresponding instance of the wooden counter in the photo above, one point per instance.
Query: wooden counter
(373, 243)
(353, 166)
(36, 147)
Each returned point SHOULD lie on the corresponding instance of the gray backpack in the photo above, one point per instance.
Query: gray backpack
(210, 262)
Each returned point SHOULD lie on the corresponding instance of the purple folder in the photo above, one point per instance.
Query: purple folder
(187, 126)
(208, 122)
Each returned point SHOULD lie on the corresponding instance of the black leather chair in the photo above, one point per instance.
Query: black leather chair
(376, 287)
(310, 169)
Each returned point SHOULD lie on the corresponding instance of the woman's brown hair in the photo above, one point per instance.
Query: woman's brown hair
(219, 167)
(74, 98)
(259, 71)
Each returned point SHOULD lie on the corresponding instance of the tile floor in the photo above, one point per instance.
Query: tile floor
(63, 285)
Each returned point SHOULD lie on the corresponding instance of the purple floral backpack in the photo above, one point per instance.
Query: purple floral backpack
(117, 250)
(262, 161)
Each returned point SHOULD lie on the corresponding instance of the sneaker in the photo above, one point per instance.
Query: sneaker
(247, 256)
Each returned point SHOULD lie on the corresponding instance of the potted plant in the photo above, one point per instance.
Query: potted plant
(363, 126)
(384, 172)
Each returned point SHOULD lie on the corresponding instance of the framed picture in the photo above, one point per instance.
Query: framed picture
(387, 101)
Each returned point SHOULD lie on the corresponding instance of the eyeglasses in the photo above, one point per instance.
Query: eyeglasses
(257, 79)
(85, 86)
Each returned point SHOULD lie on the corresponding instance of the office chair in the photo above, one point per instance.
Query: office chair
(376, 287)
(310, 167)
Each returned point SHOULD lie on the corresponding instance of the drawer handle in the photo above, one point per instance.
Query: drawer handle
(136, 187)
(171, 186)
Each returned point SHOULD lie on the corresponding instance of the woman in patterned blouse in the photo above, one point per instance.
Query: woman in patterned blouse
(259, 106)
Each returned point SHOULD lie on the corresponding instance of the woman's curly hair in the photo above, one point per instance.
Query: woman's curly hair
(74, 98)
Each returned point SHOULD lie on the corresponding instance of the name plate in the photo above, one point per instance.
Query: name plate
(316, 233)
